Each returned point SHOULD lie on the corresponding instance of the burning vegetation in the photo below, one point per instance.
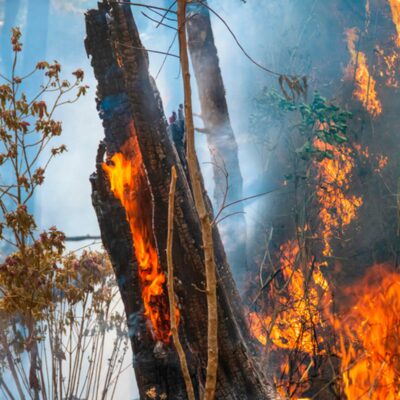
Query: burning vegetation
(369, 335)
(327, 320)
(323, 310)
(357, 71)
(337, 207)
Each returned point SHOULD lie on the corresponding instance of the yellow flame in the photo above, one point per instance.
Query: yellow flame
(299, 312)
(337, 207)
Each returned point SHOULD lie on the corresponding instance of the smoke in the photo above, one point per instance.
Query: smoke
(286, 36)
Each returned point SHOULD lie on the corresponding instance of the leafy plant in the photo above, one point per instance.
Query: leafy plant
(321, 119)
(55, 309)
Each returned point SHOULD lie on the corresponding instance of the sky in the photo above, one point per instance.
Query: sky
(65, 199)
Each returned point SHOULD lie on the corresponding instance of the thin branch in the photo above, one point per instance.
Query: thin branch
(237, 41)
(203, 213)
(81, 238)
(251, 197)
(166, 12)
(146, 6)
(228, 215)
(158, 22)
(171, 292)
(151, 51)
(166, 55)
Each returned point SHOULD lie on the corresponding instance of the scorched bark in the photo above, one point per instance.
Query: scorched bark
(127, 94)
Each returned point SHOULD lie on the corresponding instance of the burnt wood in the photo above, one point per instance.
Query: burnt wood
(127, 94)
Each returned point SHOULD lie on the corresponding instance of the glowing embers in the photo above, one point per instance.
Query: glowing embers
(129, 184)
(388, 66)
(337, 207)
(357, 69)
(370, 338)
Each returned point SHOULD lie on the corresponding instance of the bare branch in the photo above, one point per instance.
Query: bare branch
(171, 292)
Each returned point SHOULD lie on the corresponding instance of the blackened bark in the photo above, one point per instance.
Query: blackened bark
(220, 136)
(127, 95)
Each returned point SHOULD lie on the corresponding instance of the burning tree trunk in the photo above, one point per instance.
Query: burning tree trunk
(130, 196)
(219, 132)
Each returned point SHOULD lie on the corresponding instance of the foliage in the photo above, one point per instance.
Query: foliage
(54, 308)
(321, 119)
(292, 317)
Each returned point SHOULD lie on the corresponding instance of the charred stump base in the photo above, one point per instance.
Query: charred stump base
(130, 108)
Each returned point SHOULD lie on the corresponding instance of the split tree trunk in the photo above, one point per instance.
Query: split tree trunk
(130, 106)
(220, 136)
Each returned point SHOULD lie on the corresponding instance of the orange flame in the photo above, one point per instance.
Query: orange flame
(365, 90)
(334, 175)
(300, 312)
(129, 184)
(370, 338)
(395, 8)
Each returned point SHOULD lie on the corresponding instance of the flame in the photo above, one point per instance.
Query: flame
(358, 69)
(129, 184)
(297, 315)
(379, 161)
(388, 66)
(370, 338)
(337, 208)
(395, 8)
(300, 311)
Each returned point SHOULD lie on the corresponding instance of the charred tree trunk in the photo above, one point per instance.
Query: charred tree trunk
(131, 110)
(220, 136)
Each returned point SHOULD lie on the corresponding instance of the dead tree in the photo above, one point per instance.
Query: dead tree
(220, 136)
(131, 110)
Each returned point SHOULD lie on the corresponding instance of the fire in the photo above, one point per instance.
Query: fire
(379, 161)
(365, 90)
(395, 8)
(388, 66)
(129, 184)
(337, 208)
(299, 311)
(370, 338)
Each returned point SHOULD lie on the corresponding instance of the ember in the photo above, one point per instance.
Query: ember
(129, 184)
(388, 66)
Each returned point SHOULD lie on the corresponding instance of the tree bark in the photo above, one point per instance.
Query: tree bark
(130, 106)
(220, 137)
